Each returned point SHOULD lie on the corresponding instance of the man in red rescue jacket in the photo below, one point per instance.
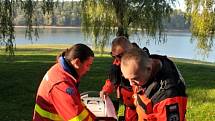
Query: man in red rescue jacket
(117, 82)
(159, 88)
(58, 98)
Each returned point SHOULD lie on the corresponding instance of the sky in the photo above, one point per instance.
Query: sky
(180, 5)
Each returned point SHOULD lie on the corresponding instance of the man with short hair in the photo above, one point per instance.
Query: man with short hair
(159, 88)
(117, 82)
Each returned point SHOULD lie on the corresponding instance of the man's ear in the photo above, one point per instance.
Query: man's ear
(76, 63)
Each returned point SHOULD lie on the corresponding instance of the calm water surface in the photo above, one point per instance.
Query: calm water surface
(178, 43)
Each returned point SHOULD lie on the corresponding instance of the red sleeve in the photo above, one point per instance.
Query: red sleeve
(67, 103)
(108, 87)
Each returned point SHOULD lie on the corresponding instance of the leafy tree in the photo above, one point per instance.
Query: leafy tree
(177, 21)
(7, 29)
(101, 18)
(201, 14)
(7, 15)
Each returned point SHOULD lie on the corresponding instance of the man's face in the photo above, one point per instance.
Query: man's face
(117, 52)
(137, 76)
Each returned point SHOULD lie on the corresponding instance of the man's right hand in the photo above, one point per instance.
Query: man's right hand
(103, 94)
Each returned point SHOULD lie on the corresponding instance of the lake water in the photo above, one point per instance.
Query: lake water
(178, 43)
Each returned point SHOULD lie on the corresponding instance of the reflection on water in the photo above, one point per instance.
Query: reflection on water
(178, 44)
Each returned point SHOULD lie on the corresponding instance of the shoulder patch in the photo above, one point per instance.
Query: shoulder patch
(70, 91)
(172, 112)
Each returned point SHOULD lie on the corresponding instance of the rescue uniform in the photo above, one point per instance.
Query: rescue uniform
(123, 88)
(58, 98)
(163, 98)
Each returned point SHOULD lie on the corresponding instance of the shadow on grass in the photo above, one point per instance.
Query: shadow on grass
(37, 49)
(18, 85)
(197, 75)
(200, 82)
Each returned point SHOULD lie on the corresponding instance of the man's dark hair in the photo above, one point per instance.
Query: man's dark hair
(134, 44)
(146, 50)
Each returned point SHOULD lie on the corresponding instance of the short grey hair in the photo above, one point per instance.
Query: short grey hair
(121, 41)
(137, 55)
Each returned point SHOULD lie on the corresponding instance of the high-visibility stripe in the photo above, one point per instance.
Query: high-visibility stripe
(81, 116)
(121, 110)
(47, 114)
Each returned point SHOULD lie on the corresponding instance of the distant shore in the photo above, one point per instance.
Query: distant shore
(79, 27)
(50, 27)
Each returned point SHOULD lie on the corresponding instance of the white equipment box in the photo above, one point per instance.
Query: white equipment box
(97, 106)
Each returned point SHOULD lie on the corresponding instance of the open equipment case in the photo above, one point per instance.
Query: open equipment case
(98, 106)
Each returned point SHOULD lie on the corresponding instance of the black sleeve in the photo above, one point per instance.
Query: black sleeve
(146, 50)
(115, 74)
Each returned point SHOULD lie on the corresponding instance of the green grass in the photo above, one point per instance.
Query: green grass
(19, 80)
(200, 80)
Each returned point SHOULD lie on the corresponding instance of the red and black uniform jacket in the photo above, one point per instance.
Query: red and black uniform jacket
(164, 97)
(118, 82)
(58, 98)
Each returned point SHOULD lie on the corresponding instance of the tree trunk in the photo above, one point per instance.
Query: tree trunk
(119, 9)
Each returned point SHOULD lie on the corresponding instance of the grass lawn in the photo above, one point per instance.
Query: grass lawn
(19, 80)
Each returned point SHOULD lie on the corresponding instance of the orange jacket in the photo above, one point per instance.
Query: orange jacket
(58, 98)
(163, 97)
(169, 109)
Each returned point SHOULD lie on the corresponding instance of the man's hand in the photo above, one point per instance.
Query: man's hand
(103, 94)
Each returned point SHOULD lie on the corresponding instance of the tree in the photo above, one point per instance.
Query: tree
(201, 15)
(7, 14)
(101, 18)
(177, 21)
(7, 29)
